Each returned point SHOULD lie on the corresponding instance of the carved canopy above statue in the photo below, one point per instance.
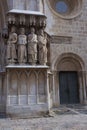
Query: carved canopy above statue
(28, 18)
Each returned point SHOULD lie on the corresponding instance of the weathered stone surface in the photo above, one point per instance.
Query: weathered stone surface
(32, 47)
(60, 122)
(67, 52)
(11, 47)
(42, 43)
(22, 52)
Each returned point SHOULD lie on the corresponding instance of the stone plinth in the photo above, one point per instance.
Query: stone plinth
(27, 90)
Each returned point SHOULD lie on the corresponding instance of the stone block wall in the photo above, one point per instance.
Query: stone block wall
(27, 93)
(74, 29)
(68, 45)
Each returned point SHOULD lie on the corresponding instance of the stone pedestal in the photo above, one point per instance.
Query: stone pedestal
(27, 90)
(27, 82)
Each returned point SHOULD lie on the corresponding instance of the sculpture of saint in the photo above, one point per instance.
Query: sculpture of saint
(22, 41)
(12, 46)
(42, 43)
(32, 47)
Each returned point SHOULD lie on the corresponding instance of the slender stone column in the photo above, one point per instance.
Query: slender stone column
(53, 87)
(28, 88)
(56, 97)
(8, 95)
(48, 92)
(37, 80)
(19, 88)
(80, 87)
(84, 85)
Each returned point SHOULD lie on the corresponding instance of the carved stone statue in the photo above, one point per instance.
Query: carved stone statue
(11, 47)
(42, 43)
(22, 41)
(32, 47)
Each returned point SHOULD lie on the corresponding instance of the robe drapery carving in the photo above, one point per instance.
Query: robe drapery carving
(27, 44)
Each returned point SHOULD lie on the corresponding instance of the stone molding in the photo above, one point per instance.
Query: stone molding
(61, 40)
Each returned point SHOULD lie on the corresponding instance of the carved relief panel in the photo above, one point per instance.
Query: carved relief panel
(27, 87)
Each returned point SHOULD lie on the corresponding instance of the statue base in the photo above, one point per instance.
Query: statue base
(27, 90)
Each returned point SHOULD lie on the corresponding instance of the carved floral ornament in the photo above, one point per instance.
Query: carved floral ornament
(66, 9)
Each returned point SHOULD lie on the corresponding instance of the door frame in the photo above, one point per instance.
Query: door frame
(81, 86)
(69, 62)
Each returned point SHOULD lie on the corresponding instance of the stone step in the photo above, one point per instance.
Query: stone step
(71, 109)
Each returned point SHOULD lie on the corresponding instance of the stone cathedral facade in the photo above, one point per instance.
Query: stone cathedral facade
(43, 55)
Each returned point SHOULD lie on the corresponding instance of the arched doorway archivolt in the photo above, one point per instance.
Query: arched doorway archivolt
(69, 61)
(72, 67)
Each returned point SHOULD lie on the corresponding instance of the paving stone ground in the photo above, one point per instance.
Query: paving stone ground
(74, 120)
(59, 122)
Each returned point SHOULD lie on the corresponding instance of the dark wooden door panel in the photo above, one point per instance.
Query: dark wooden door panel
(64, 97)
(73, 87)
(69, 91)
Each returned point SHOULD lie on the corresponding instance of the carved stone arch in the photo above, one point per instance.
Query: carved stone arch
(22, 72)
(33, 72)
(39, 72)
(75, 59)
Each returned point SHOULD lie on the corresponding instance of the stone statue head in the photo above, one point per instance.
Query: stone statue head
(13, 29)
(41, 32)
(32, 30)
(22, 30)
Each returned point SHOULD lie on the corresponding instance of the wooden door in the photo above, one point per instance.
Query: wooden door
(69, 90)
